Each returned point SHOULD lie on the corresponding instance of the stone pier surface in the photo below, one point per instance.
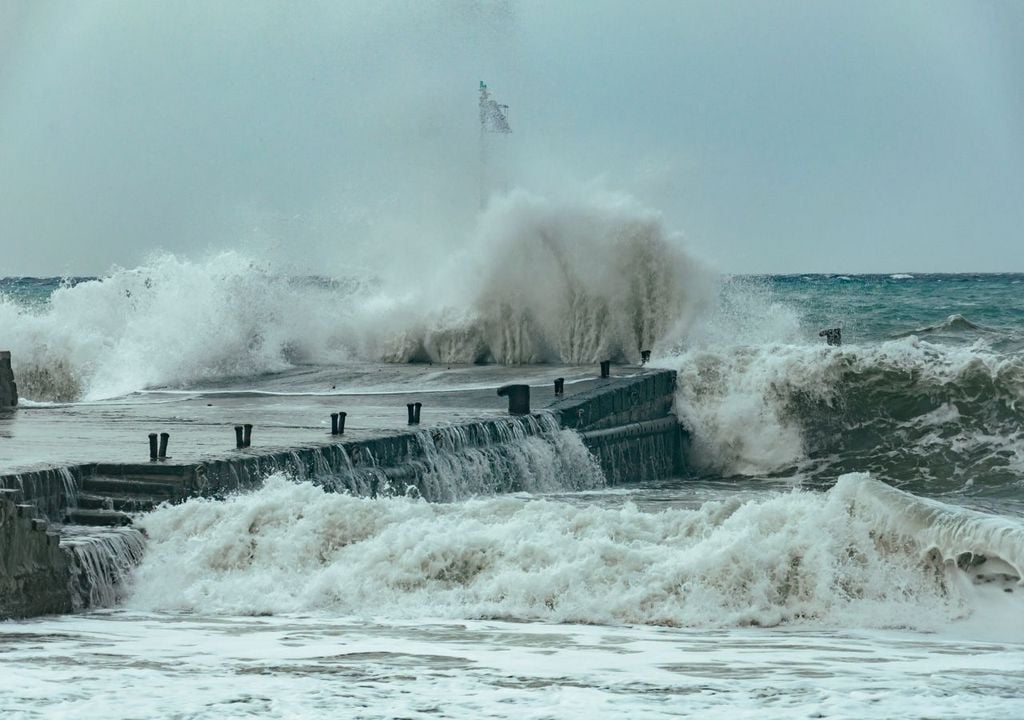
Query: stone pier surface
(87, 464)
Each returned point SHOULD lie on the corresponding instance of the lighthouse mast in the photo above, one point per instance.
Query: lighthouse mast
(493, 119)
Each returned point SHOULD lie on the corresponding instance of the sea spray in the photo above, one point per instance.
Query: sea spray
(806, 557)
(571, 282)
(170, 321)
(539, 280)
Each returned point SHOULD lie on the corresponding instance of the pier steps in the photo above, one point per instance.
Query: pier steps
(109, 486)
(134, 503)
(105, 518)
(110, 501)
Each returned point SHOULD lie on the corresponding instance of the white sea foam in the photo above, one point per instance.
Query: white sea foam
(213, 668)
(854, 557)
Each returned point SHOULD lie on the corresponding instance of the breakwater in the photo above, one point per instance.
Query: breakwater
(70, 536)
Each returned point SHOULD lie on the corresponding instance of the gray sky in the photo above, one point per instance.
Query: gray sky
(777, 136)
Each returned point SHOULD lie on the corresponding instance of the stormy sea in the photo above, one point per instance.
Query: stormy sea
(847, 539)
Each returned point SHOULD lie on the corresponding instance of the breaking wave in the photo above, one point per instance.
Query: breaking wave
(907, 408)
(861, 553)
(538, 281)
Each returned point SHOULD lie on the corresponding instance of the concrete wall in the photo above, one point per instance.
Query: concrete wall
(638, 452)
(33, 568)
(8, 388)
(363, 467)
(619, 401)
(44, 571)
(51, 490)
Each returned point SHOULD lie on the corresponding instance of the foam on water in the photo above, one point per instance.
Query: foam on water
(298, 667)
(852, 557)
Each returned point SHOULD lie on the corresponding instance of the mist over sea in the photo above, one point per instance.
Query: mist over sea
(847, 541)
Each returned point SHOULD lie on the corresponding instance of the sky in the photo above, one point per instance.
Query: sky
(783, 136)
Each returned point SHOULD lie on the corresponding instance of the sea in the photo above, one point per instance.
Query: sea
(847, 540)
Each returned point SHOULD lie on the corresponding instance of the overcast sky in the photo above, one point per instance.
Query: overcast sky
(777, 136)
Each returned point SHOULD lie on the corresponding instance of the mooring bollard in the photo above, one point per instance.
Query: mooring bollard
(334, 423)
(645, 357)
(152, 446)
(239, 442)
(559, 386)
(341, 422)
(247, 434)
(411, 407)
(606, 368)
(518, 398)
(164, 438)
(833, 336)
(8, 388)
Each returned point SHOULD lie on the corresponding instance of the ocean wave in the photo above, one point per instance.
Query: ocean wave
(955, 323)
(538, 281)
(861, 555)
(936, 409)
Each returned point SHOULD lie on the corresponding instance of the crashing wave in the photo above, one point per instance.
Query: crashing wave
(539, 281)
(768, 408)
(861, 553)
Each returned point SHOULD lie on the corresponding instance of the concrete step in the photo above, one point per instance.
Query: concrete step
(118, 486)
(107, 518)
(151, 472)
(125, 503)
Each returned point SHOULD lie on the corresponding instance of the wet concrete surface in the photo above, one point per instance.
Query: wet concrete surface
(288, 409)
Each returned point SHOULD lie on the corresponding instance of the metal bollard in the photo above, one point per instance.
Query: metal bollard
(334, 423)
(239, 442)
(518, 398)
(559, 386)
(341, 422)
(411, 407)
(606, 368)
(152, 446)
(416, 407)
(645, 357)
(164, 438)
(247, 435)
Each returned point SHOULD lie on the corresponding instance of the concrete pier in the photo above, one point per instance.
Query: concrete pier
(625, 421)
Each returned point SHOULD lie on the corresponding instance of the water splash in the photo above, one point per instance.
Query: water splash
(852, 555)
(538, 281)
